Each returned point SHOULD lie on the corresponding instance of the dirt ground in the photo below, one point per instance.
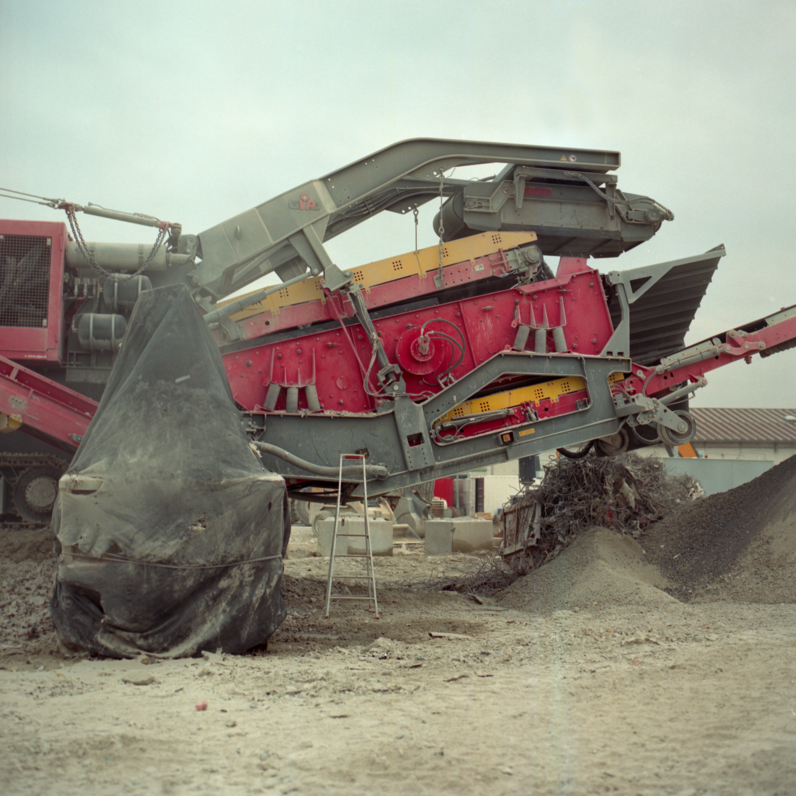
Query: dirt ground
(659, 666)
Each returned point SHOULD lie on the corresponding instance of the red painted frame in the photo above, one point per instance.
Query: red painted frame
(48, 343)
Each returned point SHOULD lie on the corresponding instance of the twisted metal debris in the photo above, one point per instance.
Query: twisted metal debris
(625, 492)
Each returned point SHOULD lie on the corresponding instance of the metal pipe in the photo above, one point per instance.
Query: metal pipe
(377, 471)
(689, 388)
(119, 215)
(123, 256)
(246, 301)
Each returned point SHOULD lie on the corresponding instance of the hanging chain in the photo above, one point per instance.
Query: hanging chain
(415, 213)
(441, 230)
(89, 257)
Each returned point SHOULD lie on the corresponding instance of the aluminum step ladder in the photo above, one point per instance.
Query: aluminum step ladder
(369, 576)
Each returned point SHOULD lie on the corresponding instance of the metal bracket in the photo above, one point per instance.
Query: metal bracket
(643, 410)
(389, 374)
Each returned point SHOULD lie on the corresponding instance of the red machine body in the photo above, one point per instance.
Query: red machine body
(467, 353)
(32, 294)
(433, 346)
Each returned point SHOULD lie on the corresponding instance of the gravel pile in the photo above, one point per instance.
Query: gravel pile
(27, 573)
(739, 544)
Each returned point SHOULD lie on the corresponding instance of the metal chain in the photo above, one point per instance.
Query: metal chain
(441, 230)
(89, 257)
(415, 213)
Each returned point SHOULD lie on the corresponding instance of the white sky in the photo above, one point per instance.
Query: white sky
(196, 111)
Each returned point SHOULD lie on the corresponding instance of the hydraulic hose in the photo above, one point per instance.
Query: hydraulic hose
(377, 471)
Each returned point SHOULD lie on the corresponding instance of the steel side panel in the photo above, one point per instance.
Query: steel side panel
(321, 438)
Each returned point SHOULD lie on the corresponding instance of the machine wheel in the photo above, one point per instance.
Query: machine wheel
(302, 509)
(615, 444)
(319, 518)
(674, 438)
(576, 453)
(646, 435)
(35, 493)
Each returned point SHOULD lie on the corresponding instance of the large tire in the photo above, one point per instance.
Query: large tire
(613, 445)
(35, 493)
(673, 438)
(302, 509)
(577, 453)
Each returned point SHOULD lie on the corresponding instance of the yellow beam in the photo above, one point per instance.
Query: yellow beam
(551, 390)
(9, 423)
(381, 272)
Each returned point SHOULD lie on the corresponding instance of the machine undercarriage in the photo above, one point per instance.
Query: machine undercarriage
(467, 353)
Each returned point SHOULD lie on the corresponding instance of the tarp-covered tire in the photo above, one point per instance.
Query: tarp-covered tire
(35, 493)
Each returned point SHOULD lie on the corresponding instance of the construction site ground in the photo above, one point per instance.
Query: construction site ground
(663, 665)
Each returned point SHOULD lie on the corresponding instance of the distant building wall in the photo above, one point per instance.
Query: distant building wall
(774, 453)
(718, 475)
(498, 489)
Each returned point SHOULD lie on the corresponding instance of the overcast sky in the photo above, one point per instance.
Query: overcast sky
(196, 111)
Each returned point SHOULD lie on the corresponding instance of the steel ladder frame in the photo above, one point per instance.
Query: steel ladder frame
(367, 555)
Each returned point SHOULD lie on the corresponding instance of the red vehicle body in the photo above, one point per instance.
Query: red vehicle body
(472, 351)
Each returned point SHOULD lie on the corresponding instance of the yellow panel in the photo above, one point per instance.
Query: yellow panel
(551, 390)
(9, 422)
(381, 272)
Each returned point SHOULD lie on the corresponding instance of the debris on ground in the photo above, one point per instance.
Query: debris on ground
(627, 493)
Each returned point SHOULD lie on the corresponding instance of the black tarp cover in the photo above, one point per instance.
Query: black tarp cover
(171, 533)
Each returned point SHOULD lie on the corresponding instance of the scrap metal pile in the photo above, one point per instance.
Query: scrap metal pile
(626, 492)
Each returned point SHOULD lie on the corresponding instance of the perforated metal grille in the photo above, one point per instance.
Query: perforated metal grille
(24, 280)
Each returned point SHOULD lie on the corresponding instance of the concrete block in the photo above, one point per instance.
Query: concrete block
(470, 534)
(380, 536)
(439, 537)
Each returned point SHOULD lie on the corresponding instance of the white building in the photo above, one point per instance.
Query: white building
(758, 434)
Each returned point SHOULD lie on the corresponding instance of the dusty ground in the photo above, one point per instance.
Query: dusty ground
(660, 667)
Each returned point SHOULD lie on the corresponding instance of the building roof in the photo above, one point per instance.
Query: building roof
(744, 425)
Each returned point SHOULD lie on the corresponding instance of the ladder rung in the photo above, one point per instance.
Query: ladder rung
(350, 555)
(349, 597)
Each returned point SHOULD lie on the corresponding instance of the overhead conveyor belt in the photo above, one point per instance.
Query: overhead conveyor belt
(286, 234)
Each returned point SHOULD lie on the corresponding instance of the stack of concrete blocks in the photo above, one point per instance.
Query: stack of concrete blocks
(380, 536)
(459, 535)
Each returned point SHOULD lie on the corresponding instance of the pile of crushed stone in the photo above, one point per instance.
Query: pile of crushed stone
(600, 569)
(738, 545)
